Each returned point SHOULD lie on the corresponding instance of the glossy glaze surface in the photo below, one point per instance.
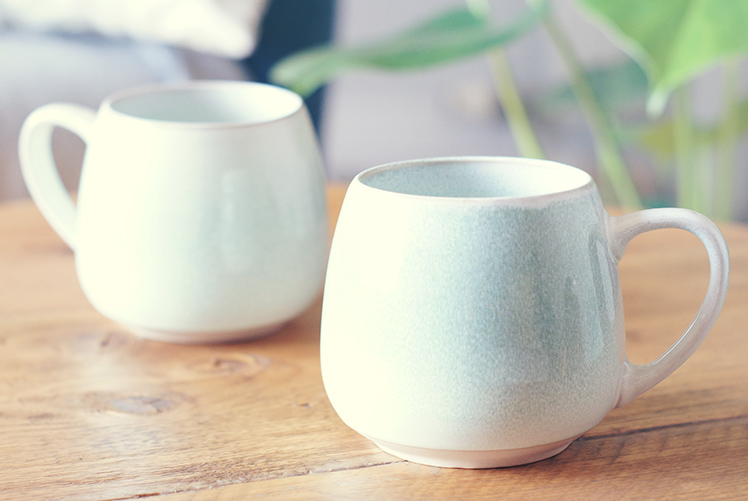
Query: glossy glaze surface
(470, 307)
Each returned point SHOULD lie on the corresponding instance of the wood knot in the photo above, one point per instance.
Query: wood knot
(142, 405)
(228, 366)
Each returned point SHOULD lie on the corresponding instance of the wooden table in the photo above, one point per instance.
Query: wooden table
(89, 411)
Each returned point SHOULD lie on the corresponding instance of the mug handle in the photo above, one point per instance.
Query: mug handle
(38, 165)
(639, 378)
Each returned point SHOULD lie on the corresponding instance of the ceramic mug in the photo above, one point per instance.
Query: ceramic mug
(472, 310)
(201, 213)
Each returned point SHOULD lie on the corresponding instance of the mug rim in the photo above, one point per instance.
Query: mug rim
(533, 200)
(109, 103)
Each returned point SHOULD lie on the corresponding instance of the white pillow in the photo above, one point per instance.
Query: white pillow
(222, 27)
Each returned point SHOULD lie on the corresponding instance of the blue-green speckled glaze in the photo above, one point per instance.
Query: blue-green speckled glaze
(472, 305)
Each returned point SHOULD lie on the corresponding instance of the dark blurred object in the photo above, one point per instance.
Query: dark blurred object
(290, 26)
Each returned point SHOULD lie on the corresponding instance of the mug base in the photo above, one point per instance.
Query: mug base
(208, 337)
(474, 459)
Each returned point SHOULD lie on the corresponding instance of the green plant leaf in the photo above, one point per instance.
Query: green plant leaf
(675, 39)
(613, 85)
(450, 36)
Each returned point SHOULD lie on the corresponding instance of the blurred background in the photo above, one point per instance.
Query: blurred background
(364, 118)
(378, 117)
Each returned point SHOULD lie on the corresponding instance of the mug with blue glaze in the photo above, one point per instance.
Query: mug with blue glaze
(472, 311)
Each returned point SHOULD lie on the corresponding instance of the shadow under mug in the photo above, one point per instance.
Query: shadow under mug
(472, 311)
(201, 213)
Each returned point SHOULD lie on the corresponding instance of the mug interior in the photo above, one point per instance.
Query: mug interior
(216, 102)
(476, 177)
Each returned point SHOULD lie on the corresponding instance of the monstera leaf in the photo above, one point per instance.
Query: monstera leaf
(448, 37)
(675, 39)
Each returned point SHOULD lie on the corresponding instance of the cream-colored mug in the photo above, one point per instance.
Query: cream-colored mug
(472, 312)
(201, 213)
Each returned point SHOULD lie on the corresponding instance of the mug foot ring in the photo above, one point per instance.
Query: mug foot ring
(474, 459)
(208, 337)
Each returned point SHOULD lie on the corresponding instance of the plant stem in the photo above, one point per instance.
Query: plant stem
(507, 93)
(511, 102)
(727, 143)
(687, 186)
(612, 164)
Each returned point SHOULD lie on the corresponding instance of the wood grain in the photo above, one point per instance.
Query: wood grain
(89, 411)
(668, 463)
